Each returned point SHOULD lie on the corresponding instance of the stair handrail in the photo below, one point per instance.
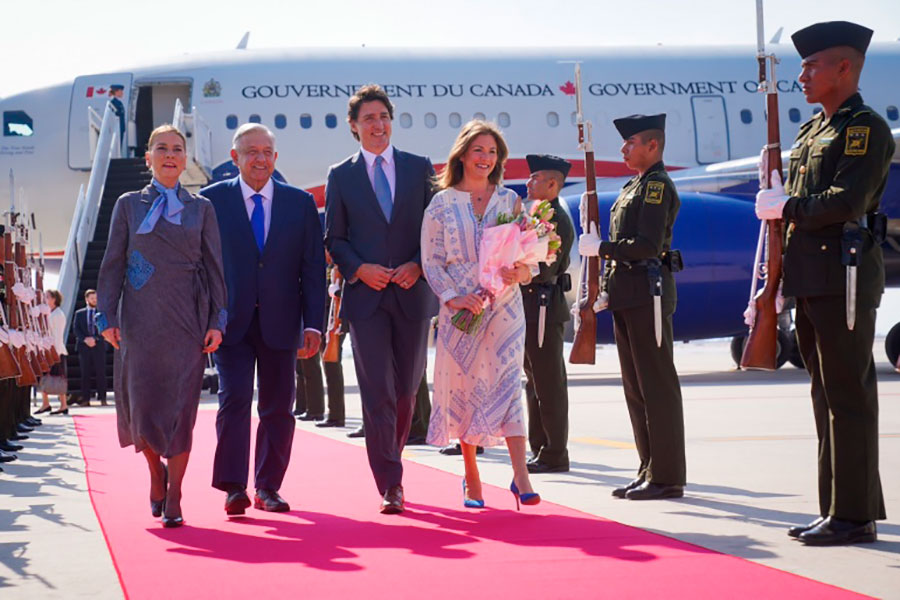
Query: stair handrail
(202, 142)
(84, 222)
(178, 116)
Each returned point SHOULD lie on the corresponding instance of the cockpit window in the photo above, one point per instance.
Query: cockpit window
(17, 123)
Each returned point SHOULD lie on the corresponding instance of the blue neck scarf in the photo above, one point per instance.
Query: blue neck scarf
(167, 205)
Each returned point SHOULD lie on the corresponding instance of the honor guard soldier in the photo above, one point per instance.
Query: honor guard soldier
(639, 289)
(546, 313)
(834, 267)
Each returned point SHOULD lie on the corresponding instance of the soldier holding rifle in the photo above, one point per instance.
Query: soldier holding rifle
(640, 290)
(833, 265)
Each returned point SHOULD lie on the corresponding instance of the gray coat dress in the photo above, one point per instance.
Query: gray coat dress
(164, 290)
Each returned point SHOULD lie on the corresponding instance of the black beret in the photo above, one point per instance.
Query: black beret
(628, 126)
(822, 36)
(116, 87)
(547, 162)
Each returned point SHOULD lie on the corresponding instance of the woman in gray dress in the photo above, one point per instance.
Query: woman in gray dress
(161, 304)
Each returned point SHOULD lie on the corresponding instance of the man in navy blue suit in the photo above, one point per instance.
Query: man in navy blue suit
(275, 275)
(374, 202)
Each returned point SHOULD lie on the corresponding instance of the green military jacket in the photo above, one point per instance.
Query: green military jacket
(545, 283)
(640, 228)
(837, 173)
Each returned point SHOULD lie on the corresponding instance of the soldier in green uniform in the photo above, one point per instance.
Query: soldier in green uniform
(546, 313)
(838, 169)
(639, 289)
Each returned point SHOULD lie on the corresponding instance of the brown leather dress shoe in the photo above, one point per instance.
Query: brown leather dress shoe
(270, 501)
(392, 504)
(237, 501)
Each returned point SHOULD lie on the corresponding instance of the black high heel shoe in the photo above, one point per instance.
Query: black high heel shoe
(158, 506)
(528, 499)
(170, 522)
(42, 410)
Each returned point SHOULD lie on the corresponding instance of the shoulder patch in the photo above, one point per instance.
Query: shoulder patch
(654, 194)
(857, 141)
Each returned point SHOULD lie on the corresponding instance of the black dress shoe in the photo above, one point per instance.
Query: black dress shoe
(61, 411)
(330, 423)
(6, 457)
(237, 501)
(456, 450)
(18, 437)
(539, 467)
(795, 532)
(654, 491)
(620, 492)
(23, 428)
(834, 531)
(9, 446)
(169, 522)
(392, 503)
(307, 416)
(416, 440)
(33, 422)
(359, 432)
(41, 410)
(270, 501)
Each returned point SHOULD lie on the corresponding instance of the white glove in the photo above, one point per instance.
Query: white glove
(589, 243)
(602, 302)
(333, 289)
(750, 313)
(770, 203)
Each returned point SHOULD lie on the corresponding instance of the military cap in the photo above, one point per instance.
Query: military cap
(547, 162)
(116, 87)
(628, 126)
(822, 36)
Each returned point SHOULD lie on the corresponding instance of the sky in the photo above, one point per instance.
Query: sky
(48, 41)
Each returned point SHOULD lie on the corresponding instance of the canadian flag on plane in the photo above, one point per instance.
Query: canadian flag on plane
(99, 91)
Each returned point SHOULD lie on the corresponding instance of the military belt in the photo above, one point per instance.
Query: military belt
(671, 259)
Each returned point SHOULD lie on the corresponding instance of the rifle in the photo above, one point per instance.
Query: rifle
(9, 367)
(333, 339)
(761, 351)
(584, 346)
(23, 275)
(27, 376)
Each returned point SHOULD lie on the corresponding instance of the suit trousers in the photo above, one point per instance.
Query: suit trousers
(93, 367)
(275, 433)
(652, 393)
(422, 412)
(310, 392)
(389, 354)
(547, 395)
(845, 405)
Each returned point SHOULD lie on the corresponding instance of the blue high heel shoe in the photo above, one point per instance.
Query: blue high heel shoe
(469, 502)
(527, 499)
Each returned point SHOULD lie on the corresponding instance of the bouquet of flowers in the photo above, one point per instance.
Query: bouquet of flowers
(528, 238)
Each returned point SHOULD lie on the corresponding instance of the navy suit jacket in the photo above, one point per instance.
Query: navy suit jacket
(357, 232)
(287, 280)
(81, 330)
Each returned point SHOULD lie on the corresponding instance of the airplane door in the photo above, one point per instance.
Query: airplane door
(90, 91)
(710, 129)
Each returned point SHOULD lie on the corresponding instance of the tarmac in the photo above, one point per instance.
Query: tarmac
(751, 451)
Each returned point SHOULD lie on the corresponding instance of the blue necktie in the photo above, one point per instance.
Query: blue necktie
(258, 221)
(167, 205)
(383, 189)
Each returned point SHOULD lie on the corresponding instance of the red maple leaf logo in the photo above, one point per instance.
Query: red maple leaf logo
(100, 91)
(568, 89)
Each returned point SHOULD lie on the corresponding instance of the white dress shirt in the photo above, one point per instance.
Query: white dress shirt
(387, 166)
(57, 322)
(266, 193)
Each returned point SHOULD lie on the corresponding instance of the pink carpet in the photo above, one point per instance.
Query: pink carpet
(334, 544)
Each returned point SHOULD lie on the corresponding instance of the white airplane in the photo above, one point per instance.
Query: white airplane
(715, 125)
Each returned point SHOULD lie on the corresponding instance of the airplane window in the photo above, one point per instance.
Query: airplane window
(305, 121)
(430, 120)
(503, 119)
(794, 115)
(746, 116)
(478, 115)
(892, 113)
(231, 121)
(552, 119)
(17, 123)
(330, 121)
(280, 121)
(455, 120)
(255, 119)
(405, 120)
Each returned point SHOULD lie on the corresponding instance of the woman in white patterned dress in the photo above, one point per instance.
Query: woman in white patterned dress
(477, 377)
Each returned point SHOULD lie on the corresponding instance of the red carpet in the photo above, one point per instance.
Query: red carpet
(334, 544)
